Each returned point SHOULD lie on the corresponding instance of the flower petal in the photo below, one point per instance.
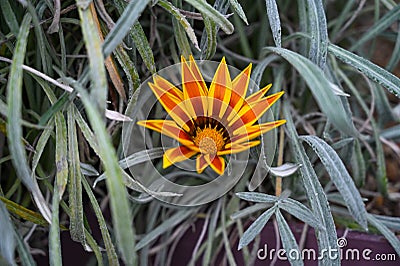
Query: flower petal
(256, 130)
(220, 91)
(167, 87)
(239, 88)
(217, 163)
(172, 104)
(251, 113)
(258, 95)
(231, 148)
(168, 128)
(196, 72)
(176, 155)
(193, 92)
(201, 163)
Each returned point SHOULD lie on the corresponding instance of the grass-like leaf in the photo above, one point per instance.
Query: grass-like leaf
(111, 254)
(123, 25)
(143, 46)
(256, 227)
(257, 197)
(93, 43)
(385, 22)
(9, 16)
(316, 196)
(14, 101)
(390, 236)
(288, 241)
(175, 219)
(76, 225)
(7, 243)
(61, 153)
(54, 234)
(321, 88)
(301, 212)
(340, 177)
(274, 21)
(319, 32)
(212, 13)
(372, 71)
(181, 19)
(121, 214)
(239, 10)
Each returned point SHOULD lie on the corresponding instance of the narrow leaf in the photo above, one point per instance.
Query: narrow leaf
(390, 236)
(372, 71)
(301, 212)
(257, 197)
(340, 177)
(7, 243)
(328, 102)
(54, 234)
(14, 101)
(315, 194)
(209, 11)
(386, 21)
(274, 21)
(255, 228)
(289, 243)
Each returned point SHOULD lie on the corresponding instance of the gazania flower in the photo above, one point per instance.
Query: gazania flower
(213, 122)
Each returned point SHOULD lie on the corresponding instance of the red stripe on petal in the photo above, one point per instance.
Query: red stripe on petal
(177, 154)
(201, 163)
(220, 89)
(217, 163)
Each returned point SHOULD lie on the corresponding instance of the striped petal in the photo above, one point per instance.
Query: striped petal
(217, 163)
(170, 129)
(167, 87)
(220, 91)
(239, 88)
(176, 155)
(196, 72)
(172, 105)
(258, 95)
(232, 148)
(193, 91)
(201, 163)
(251, 113)
(256, 130)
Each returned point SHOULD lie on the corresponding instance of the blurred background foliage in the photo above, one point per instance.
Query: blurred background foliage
(69, 69)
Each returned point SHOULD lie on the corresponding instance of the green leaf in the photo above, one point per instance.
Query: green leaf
(120, 211)
(372, 71)
(389, 235)
(301, 212)
(24, 253)
(61, 153)
(123, 25)
(289, 243)
(256, 227)
(319, 32)
(143, 46)
(274, 21)
(7, 243)
(99, 89)
(168, 224)
(239, 10)
(321, 88)
(340, 177)
(386, 21)
(111, 254)
(9, 17)
(213, 14)
(76, 225)
(316, 196)
(181, 19)
(14, 101)
(54, 235)
(257, 197)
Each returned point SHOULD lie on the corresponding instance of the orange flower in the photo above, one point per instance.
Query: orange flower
(210, 123)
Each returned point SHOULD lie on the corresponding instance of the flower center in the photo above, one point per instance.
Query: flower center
(209, 140)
